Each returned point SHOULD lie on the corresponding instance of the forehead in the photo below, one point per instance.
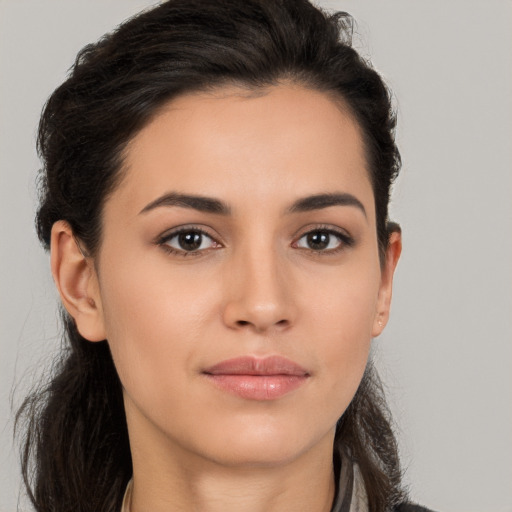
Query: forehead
(283, 141)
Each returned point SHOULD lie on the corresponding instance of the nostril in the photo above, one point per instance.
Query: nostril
(243, 323)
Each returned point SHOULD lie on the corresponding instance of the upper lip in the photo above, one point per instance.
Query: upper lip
(251, 365)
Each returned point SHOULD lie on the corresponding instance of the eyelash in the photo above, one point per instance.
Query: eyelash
(346, 241)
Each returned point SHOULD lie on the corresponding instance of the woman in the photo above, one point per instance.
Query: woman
(215, 190)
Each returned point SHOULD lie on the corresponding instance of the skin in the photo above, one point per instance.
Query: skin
(255, 287)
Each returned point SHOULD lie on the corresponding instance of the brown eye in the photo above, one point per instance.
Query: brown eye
(318, 240)
(189, 241)
(322, 240)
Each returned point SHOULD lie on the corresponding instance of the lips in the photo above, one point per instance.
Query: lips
(253, 378)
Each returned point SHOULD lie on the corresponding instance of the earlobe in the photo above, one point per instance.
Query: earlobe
(76, 281)
(393, 251)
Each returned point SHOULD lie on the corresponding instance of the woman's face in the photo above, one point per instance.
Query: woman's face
(238, 280)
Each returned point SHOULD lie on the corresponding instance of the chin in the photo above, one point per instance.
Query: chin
(264, 445)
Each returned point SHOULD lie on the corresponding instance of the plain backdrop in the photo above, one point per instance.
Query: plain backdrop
(446, 357)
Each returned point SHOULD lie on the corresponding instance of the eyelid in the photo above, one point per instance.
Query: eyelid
(322, 227)
(183, 228)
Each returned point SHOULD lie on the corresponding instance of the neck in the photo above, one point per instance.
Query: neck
(177, 481)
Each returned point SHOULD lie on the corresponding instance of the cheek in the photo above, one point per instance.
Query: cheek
(343, 317)
(343, 304)
(153, 319)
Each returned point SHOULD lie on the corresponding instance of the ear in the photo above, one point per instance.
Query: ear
(393, 250)
(76, 280)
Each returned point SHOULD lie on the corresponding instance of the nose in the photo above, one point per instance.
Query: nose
(259, 294)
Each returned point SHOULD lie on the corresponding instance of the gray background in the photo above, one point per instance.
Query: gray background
(446, 357)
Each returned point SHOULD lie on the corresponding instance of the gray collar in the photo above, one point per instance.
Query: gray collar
(350, 491)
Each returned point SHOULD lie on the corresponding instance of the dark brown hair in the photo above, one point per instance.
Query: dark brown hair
(76, 454)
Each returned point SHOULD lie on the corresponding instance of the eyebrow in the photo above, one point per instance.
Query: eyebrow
(212, 205)
(203, 204)
(320, 201)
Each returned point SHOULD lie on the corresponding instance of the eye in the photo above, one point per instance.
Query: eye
(326, 240)
(188, 241)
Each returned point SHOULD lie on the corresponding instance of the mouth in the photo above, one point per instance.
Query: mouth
(254, 378)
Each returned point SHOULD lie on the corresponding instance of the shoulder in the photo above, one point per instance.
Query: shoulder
(410, 507)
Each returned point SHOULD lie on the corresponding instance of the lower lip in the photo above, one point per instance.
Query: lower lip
(258, 387)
